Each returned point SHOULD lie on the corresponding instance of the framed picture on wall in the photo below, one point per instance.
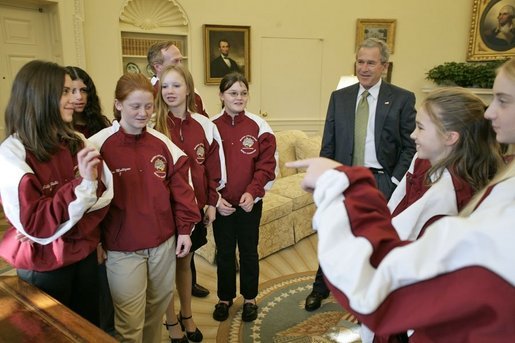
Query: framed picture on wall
(226, 49)
(383, 29)
(492, 32)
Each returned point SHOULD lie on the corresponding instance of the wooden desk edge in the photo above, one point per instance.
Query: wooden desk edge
(59, 316)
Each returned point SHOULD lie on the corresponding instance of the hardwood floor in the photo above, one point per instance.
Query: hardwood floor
(295, 259)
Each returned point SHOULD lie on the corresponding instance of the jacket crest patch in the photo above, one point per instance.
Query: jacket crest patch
(159, 162)
(248, 144)
(200, 153)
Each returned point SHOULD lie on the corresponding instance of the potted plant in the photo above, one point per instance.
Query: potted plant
(465, 74)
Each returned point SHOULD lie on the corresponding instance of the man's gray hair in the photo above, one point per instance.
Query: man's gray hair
(376, 43)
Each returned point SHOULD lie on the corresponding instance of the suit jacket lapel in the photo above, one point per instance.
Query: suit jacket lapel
(384, 102)
(349, 110)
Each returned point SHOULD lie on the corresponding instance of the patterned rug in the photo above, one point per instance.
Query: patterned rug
(282, 317)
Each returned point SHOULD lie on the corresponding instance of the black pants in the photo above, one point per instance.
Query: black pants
(319, 284)
(75, 286)
(198, 239)
(193, 270)
(385, 184)
(240, 228)
(106, 307)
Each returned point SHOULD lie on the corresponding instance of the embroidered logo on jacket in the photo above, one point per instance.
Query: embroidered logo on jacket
(48, 188)
(119, 171)
(248, 142)
(159, 162)
(200, 152)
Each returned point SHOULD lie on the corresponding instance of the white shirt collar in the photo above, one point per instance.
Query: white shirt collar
(374, 90)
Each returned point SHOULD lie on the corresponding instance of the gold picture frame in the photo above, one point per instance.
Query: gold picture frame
(238, 58)
(383, 29)
(486, 40)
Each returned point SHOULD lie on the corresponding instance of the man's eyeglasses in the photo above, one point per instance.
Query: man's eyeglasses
(234, 94)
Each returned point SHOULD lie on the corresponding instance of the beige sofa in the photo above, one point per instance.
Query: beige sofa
(287, 209)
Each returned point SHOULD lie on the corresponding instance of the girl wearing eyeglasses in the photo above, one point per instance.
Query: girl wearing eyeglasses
(251, 161)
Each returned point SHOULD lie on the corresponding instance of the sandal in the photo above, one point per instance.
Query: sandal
(195, 336)
(183, 339)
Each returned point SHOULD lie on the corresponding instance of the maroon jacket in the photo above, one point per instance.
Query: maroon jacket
(199, 138)
(250, 155)
(454, 284)
(416, 187)
(50, 204)
(152, 196)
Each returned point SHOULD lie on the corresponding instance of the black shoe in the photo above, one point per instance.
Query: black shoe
(221, 311)
(183, 339)
(199, 291)
(314, 300)
(250, 312)
(195, 336)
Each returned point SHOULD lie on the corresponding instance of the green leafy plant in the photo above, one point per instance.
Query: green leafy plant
(465, 74)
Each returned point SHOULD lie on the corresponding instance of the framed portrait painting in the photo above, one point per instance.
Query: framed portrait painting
(226, 50)
(492, 32)
(383, 29)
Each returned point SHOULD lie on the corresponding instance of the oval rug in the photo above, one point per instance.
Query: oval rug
(282, 317)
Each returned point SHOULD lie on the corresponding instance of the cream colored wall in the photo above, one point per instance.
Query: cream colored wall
(428, 33)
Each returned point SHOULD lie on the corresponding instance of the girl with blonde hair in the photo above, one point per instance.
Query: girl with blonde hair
(199, 139)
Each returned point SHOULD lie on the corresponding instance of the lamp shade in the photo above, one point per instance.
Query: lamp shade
(347, 80)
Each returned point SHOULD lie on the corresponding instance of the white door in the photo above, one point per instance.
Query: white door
(24, 36)
(291, 73)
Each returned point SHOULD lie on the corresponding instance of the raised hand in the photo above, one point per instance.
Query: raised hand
(88, 159)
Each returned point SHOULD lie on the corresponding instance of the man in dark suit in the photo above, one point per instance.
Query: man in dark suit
(223, 64)
(159, 56)
(387, 149)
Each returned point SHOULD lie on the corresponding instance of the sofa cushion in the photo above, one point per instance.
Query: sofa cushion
(286, 141)
(275, 206)
(303, 222)
(307, 148)
(208, 251)
(276, 235)
(289, 187)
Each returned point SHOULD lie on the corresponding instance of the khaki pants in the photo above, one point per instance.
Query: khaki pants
(141, 284)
